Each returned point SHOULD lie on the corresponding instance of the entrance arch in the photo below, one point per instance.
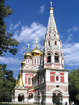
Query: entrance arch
(20, 97)
(57, 98)
(30, 96)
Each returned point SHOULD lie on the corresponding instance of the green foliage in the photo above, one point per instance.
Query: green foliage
(74, 86)
(7, 83)
(6, 41)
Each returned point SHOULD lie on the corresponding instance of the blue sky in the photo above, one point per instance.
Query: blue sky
(29, 21)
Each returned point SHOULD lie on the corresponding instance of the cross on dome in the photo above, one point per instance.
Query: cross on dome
(36, 41)
(28, 46)
(51, 3)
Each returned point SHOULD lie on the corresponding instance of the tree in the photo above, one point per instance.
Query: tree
(7, 83)
(74, 86)
(7, 43)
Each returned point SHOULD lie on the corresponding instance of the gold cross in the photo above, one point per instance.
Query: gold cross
(51, 3)
(28, 46)
(36, 42)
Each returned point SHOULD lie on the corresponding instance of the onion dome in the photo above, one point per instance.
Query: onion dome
(23, 63)
(36, 51)
(28, 54)
(20, 82)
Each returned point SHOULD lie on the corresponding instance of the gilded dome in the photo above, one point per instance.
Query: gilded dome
(28, 55)
(23, 62)
(36, 52)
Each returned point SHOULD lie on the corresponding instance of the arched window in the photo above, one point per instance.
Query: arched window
(49, 58)
(57, 79)
(56, 57)
(49, 43)
(55, 42)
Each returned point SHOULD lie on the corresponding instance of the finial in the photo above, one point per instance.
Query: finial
(36, 42)
(28, 46)
(51, 3)
(51, 8)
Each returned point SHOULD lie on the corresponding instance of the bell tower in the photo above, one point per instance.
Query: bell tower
(53, 57)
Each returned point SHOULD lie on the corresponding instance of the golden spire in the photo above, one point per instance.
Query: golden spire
(16, 82)
(20, 82)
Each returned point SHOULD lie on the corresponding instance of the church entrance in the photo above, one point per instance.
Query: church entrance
(21, 98)
(57, 98)
(30, 96)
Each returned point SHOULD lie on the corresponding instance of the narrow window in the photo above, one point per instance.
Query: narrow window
(55, 42)
(56, 58)
(29, 81)
(57, 79)
(49, 43)
(49, 58)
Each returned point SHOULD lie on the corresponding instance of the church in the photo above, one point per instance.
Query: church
(42, 77)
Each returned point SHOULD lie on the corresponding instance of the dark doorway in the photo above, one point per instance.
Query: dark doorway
(57, 99)
(21, 98)
(30, 96)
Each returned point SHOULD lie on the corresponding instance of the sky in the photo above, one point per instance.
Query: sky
(29, 21)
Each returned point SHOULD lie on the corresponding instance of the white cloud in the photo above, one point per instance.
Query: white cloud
(42, 7)
(74, 28)
(9, 60)
(23, 50)
(29, 34)
(14, 26)
(71, 54)
(69, 37)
